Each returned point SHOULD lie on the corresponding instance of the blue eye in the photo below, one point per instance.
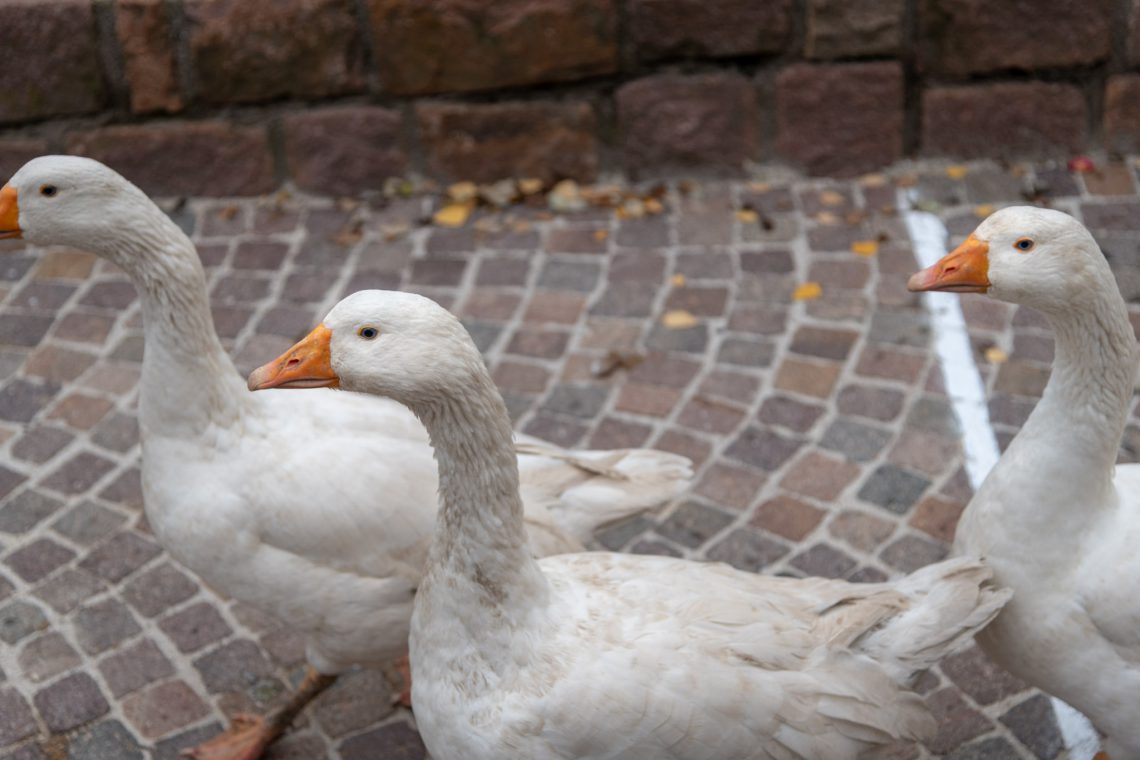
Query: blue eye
(368, 333)
(1024, 244)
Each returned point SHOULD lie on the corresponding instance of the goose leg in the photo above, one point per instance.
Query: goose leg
(404, 671)
(249, 735)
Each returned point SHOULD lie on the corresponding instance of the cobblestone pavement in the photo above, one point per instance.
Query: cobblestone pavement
(822, 436)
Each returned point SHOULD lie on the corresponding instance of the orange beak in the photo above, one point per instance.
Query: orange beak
(305, 365)
(966, 269)
(9, 213)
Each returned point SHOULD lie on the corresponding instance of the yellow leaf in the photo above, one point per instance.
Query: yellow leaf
(653, 206)
(984, 210)
(452, 215)
(601, 234)
(747, 216)
(530, 186)
(678, 280)
(957, 171)
(759, 187)
(809, 291)
(995, 355)
(678, 319)
(831, 198)
(874, 180)
(865, 247)
(826, 217)
(461, 192)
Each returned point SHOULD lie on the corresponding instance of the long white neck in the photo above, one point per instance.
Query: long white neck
(188, 380)
(480, 571)
(1060, 466)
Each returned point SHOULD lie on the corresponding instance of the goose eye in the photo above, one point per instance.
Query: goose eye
(1024, 244)
(368, 333)
(48, 191)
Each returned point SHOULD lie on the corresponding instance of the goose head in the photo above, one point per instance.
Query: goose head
(1025, 255)
(69, 200)
(400, 345)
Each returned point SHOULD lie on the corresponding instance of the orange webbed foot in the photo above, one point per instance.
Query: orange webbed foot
(245, 739)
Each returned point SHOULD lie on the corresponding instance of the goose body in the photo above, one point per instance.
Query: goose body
(317, 509)
(600, 655)
(1057, 521)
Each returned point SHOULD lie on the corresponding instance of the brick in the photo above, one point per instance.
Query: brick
(207, 158)
(1021, 379)
(840, 119)
(766, 262)
(120, 556)
(670, 120)
(47, 656)
(730, 486)
(987, 749)
(613, 433)
(80, 411)
(853, 28)
(822, 342)
(542, 344)
(27, 509)
(819, 476)
(554, 307)
(1003, 120)
(937, 517)
(16, 719)
(17, 151)
(78, 473)
(38, 559)
(650, 400)
(854, 440)
(267, 49)
(233, 667)
(978, 676)
(824, 561)
(20, 619)
(49, 61)
(809, 378)
(790, 413)
(911, 552)
(861, 530)
(9, 479)
(762, 448)
(23, 329)
(110, 294)
(462, 45)
(576, 400)
(100, 626)
(58, 365)
(678, 442)
(71, 702)
(344, 151)
(164, 708)
(134, 667)
(747, 550)
(708, 416)
(395, 740)
(962, 37)
(788, 517)
(726, 384)
(106, 739)
(68, 588)
(1034, 723)
(118, 432)
(356, 701)
(883, 404)
(893, 488)
(748, 352)
(42, 296)
(126, 490)
(692, 524)
(147, 41)
(490, 141)
(958, 723)
(720, 28)
(194, 627)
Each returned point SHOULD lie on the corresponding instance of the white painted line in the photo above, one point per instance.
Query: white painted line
(968, 398)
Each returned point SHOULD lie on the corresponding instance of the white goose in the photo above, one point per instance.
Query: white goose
(316, 509)
(1057, 522)
(609, 655)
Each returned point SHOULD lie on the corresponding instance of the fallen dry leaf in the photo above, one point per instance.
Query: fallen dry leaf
(462, 192)
(350, 235)
(865, 247)
(653, 206)
(759, 187)
(995, 355)
(983, 210)
(498, 194)
(678, 280)
(615, 360)
(601, 234)
(392, 232)
(632, 208)
(808, 291)
(530, 186)
(228, 213)
(747, 216)
(907, 180)
(347, 204)
(957, 171)
(678, 319)
(826, 217)
(453, 214)
(873, 180)
(1081, 165)
(565, 196)
(831, 198)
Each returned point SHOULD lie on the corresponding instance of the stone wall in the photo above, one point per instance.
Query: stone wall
(232, 97)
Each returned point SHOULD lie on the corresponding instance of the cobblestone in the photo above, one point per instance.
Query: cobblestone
(823, 438)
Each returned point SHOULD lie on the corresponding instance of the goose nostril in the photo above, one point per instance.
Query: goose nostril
(293, 362)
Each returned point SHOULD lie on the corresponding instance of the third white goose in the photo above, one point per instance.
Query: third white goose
(1057, 521)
